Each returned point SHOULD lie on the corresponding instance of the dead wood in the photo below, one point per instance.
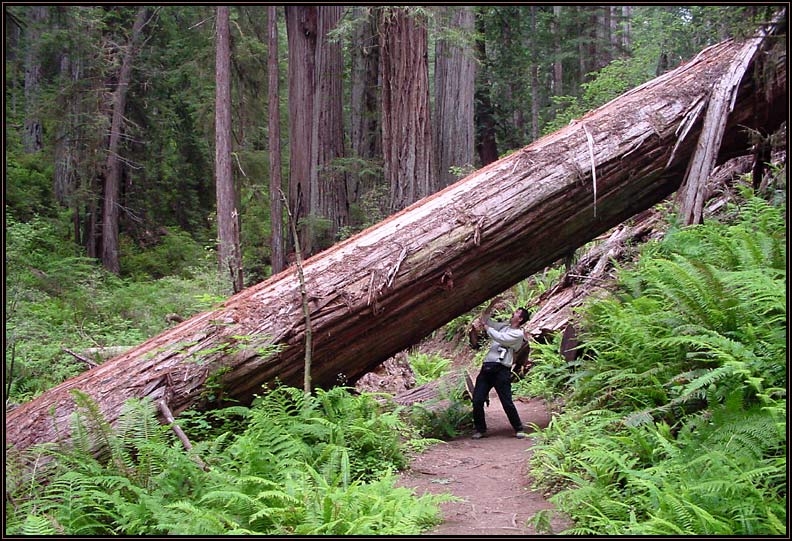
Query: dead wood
(386, 288)
(86, 360)
(593, 272)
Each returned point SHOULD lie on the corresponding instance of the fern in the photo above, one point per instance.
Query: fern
(37, 526)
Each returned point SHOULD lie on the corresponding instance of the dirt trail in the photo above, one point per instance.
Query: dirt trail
(490, 475)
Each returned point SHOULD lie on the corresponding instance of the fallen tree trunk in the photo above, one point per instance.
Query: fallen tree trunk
(393, 284)
(592, 272)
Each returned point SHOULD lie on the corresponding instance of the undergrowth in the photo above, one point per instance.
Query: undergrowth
(303, 465)
(57, 301)
(675, 415)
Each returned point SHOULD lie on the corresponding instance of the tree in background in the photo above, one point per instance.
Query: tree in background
(33, 137)
(278, 258)
(529, 62)
(455, 78)
(484, 113)
(315, 126)
(406, 124)
(113, 169)
(329, 200)
(228, 247)
(365, 131)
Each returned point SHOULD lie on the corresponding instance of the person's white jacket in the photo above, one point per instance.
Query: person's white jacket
(505, 341)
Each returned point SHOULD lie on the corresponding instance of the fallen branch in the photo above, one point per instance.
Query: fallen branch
(303, 295)
(166, 412)
(86, 360)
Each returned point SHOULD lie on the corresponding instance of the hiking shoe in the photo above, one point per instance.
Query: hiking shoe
(520, 435)
(477, 435)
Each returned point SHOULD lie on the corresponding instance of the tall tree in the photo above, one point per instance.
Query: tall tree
(317, 195)
(228, 247)
(626, 30)
(406, 124)
(276, 206)
(33, 136)
(301, 34)
(486, 142)
(455, 85)
(534, 46)
(558, 64)
(365, 130)
(112, 183)
(329, 199)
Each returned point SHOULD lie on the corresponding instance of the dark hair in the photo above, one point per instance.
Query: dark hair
(524, 314)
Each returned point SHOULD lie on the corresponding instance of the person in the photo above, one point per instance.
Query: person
(496, 371)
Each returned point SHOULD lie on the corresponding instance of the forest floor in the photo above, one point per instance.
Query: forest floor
(491, 476)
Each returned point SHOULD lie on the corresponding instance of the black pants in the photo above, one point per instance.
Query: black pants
(498, 376)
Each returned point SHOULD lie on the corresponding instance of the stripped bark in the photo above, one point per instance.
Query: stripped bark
(386, 288)
(593, 273)
(719, 105)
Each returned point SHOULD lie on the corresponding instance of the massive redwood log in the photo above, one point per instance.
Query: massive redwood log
(391, 285)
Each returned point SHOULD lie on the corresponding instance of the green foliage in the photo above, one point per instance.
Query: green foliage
(441, 419)
(661, 39)
(56, 300)
(301, 465)
(444, 417)
(676, 419)
(176, 254)
(28, 186)
(428, 367)
(549, 374)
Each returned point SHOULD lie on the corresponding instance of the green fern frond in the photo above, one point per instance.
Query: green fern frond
(186, 518)
(37, 526)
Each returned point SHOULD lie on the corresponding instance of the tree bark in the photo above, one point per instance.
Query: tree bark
(455, 84)
(626, 37)
(329, 199)
(406, 124)
(112, 183)
(229, 252)
(486, 143)
(34, 135)
(278, 257)
(365, 130)
(534, 79)
(301, 28)
(558, 64)
(317, 193)
(375, 294)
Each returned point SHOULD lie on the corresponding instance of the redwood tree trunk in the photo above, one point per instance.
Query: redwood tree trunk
(365, 131)
(33, 137)
(486, 143)
(229, 253)
(317, 193)
(278, 257)
(558, 65)
(406, 126)
(393, 284)
(112, 184)
(301, 28)
(455, 84)
(328, 183)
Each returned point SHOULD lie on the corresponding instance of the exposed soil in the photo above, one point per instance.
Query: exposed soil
(491, 476)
